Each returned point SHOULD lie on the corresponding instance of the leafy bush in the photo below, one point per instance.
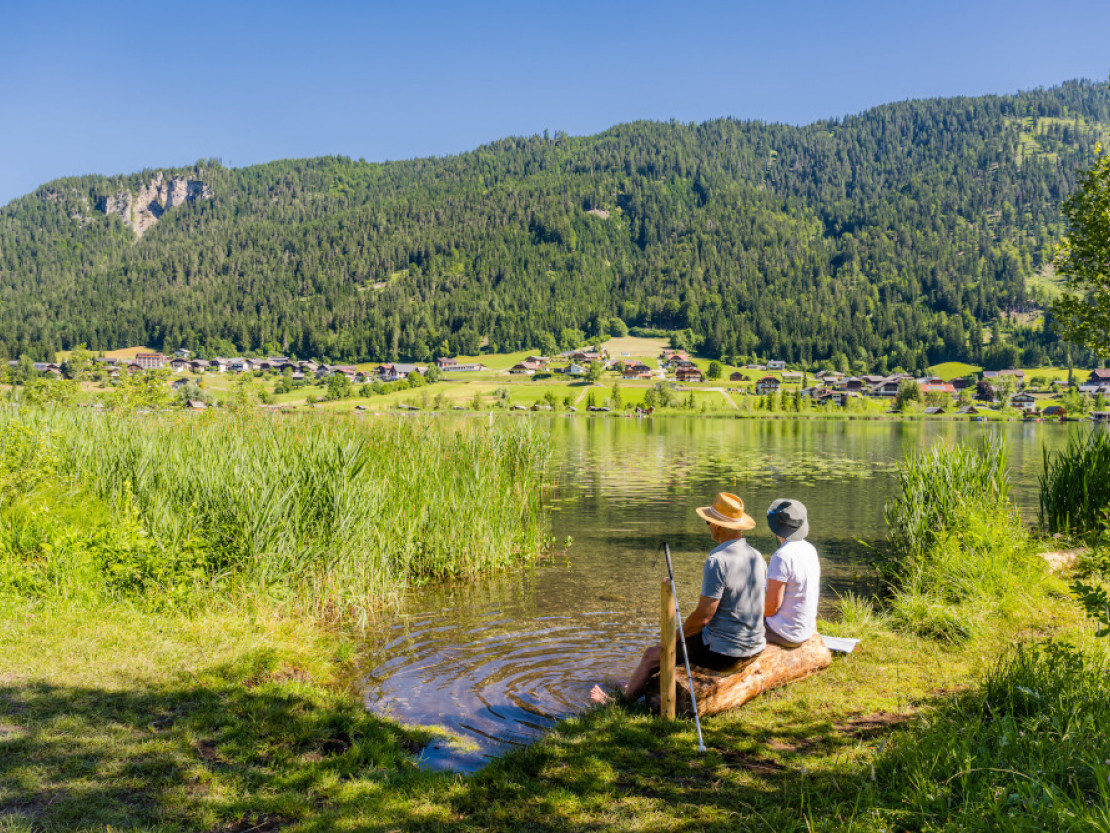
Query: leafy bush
(60, 546)
(27, 456)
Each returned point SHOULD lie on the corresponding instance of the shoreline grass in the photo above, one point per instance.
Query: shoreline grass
(232, 716)
(1075, 486)
(327, 516)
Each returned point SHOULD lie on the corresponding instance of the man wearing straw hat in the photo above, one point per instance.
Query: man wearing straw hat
(725, 631)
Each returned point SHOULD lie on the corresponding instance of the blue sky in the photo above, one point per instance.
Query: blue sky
(115, 87)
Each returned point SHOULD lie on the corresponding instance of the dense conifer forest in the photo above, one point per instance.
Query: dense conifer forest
(912, 233)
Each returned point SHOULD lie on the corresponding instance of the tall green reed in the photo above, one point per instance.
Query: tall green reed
(959, 559)
(1075, 485)
(330, 514)
(938, 487)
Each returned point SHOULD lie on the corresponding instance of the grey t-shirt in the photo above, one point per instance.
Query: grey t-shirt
(736, 574)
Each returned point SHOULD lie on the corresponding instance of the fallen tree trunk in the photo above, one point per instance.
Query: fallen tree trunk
(717, 693)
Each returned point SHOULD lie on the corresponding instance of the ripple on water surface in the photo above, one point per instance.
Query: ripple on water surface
(500, 681)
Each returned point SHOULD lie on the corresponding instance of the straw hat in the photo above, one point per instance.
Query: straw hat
(727, 511)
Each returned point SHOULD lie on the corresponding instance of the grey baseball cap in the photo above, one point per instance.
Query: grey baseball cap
(788, 519)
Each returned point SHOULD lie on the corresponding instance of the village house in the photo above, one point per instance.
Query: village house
(963, 383)
(888, 386)
(574, 369)
(149, 361)
(1054, 412)
(1095, 390)
(584, 355)
(936, 386)
(396, 371)
(445, 363)
(776, 365)
(768, 384)
(677, 360)
(688, 374)
(837, 397)
(524, 368)
(41, 367)
(934, 410)
(219, 365)
(180, 365)
(539, 361)
(1100, 416)
(853, 384)
(182, 353)
(737, 376)
(465, 368)
(995, 377)
(791, 376)
(968, 410)
(635, 364)
(1099, 376)
(1025, 402)
(636, 372)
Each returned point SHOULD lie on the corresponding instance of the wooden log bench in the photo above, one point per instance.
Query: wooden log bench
(718, 692)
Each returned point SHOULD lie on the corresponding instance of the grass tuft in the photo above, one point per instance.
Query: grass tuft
(1075, 486)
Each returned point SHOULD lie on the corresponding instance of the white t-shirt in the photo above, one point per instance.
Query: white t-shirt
(796, 563)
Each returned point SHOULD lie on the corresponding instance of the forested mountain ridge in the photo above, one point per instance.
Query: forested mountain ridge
(894, 236)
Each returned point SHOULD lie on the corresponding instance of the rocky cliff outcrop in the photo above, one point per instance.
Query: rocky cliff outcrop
(142, 210)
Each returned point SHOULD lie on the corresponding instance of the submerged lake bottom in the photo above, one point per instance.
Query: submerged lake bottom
(498, 661)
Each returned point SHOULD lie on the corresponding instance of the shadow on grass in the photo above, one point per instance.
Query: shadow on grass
(283, 754)
(230, 757)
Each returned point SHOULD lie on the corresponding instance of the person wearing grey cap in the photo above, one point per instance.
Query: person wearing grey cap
(793, 577)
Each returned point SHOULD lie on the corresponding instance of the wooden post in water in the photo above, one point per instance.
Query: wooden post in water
(668, 624)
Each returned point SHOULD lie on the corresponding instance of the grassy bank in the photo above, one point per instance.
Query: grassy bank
(975, 702)
(322, 515)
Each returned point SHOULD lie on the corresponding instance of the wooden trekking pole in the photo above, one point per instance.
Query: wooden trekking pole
(668, 624)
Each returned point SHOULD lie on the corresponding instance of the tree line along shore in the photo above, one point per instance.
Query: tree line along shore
(180, 600)
(624, 376)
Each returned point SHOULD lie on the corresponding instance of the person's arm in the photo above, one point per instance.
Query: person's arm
(697, 620)
(776, 591)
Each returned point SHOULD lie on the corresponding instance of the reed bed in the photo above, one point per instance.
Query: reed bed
(327, 513)
(1075, 485)
(939, 487)
(960, 562)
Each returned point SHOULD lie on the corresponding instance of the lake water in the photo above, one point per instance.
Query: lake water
(497, 661)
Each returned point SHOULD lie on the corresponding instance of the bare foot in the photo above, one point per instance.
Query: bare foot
(600, 695)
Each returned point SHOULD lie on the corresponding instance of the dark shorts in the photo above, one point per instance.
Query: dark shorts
(703, 657)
